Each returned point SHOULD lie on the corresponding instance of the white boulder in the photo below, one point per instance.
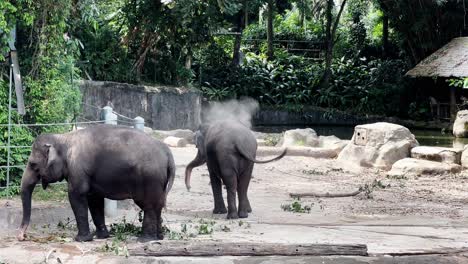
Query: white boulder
(378, 145)
(464, 158)
(305, 137)
(333, 143)
(411, 166)
(460, 127)
(175, 142)
(445, 155)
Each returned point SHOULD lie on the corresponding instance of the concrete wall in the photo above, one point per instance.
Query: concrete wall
(162, 107)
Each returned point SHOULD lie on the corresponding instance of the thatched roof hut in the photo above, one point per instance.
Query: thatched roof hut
(449, 61)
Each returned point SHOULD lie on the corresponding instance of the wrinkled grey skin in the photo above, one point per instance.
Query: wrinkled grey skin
(229, 149)
(100, 162)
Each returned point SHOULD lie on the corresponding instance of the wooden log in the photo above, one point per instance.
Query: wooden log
(200, 248)
(319, 153)
(325, 195)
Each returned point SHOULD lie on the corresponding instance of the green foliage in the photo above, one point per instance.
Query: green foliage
(368, 189)
(47, 60)
(296, 207)
(122, 230)
(288, 79)
(364, 86)
(458, 82)
(55, 193)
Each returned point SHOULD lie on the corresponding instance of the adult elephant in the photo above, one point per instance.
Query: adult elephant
(100, 162)
(229, 148)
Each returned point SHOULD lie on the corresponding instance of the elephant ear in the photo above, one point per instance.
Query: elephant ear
(54, 164)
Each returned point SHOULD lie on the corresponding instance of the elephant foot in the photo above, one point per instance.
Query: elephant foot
(219, 210)
(249, 209)
(147, 238)
(102, 234)
(232, 215)
(84, 238)
(243, 214)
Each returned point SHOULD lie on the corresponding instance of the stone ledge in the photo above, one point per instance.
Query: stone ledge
(439, 154)
(411, 166)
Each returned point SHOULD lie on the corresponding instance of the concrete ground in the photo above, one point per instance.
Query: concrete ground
(401, 220)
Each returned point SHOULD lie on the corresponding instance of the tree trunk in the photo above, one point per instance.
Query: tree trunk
(329, 44)
(246, 13)
(302, 13)
(330, 38)
(270, 52)
(385, 34)
(238, 39)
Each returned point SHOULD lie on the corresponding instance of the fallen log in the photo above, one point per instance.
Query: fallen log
(200, 248)
(325, 195)
(319, 153)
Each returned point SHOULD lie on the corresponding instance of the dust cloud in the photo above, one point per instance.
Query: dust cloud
(236, 110)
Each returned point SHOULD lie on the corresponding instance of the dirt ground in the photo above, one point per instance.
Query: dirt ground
(403, 215)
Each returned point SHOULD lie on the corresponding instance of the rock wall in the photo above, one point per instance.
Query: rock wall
(162, 107)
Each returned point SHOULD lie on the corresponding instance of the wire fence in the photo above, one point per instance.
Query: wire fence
(106, 114)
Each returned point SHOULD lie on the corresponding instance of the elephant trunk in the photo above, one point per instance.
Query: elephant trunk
(198, 161)
(28, 183)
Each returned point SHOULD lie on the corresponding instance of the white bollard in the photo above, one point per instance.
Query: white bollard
(139, 123)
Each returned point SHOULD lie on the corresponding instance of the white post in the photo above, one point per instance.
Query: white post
(110, 206)
(139, 123)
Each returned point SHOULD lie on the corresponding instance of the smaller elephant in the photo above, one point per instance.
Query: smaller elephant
(229, 149)
(98, 162)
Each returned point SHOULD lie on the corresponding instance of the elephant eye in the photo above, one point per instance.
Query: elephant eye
(33, 166)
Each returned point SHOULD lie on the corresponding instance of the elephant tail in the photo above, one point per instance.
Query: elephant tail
(252, 159)
(171, 169)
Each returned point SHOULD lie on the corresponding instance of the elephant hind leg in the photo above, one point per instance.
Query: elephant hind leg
(230, 180)
(242, 188)
(217, 188)
(96, 207)
(152, 205)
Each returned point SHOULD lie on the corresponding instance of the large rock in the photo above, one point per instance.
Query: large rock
(175, 142)
(460, 127)
(305, 137)
(411, 166)
(464, 158)
(332, 142)
(445, 155)
(378, 145)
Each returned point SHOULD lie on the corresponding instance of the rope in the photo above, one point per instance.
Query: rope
(54, 124)
(117, 114)
(92, 106)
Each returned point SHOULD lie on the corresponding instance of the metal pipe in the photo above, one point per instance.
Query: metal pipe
(9, 127)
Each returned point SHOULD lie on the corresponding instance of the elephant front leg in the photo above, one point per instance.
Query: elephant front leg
(96, 207)
(216, 186)
(79, 204)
